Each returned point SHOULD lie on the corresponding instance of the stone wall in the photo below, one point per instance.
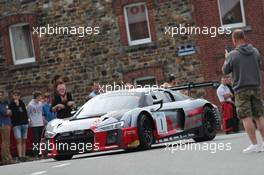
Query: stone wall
(99, 57)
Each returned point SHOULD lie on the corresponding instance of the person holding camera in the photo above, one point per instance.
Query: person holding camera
(245, 64)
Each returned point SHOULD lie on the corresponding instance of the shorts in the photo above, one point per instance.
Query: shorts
(249, 103)
(20, 131)
(6, 121)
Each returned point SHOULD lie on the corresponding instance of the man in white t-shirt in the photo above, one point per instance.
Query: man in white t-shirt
(95, 92)
(223, 92)
(225, 97)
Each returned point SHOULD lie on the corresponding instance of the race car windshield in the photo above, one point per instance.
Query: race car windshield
(106, 103)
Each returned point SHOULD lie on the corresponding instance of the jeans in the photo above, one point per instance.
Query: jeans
(5, 149)
(20, 131)
(36, 133)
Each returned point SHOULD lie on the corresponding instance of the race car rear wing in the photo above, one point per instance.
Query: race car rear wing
(192, 85)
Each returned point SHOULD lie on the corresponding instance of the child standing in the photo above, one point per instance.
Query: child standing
(36, 120)
(47, 113)
(19, 119)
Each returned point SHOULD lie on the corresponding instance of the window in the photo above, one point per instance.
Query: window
(150, 81)
(163, 96)
(112, 102)
(149, 98)
(232, 13)
(21, 43)
(137, 24)
(136, 21)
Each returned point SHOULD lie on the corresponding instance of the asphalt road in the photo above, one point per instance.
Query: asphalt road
(181, 159)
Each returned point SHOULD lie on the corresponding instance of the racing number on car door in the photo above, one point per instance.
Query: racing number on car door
(161, 122)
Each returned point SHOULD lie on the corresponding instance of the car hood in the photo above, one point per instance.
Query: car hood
(73, 124)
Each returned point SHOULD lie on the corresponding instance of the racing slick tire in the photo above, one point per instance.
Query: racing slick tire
(63, 157)
(145, 132)
(210, 125)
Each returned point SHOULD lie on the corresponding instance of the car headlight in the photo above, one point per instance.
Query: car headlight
(49, 134)
(111, 126)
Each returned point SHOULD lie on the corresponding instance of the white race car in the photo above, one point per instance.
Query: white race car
(132, 119)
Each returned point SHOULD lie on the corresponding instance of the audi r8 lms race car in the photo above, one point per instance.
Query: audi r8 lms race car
(131, 120)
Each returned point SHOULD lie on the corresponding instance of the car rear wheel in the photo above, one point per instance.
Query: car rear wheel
(63, 157)
(145, 131)
(210, 123)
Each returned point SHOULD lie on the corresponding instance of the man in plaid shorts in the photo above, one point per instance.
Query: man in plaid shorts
(245, 64)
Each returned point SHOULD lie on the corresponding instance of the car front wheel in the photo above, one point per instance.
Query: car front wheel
(145, 131)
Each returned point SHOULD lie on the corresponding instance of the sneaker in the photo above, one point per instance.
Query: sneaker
(262, 147)
(36, 158)
(11, 161)
(22, 159)
(251, 149)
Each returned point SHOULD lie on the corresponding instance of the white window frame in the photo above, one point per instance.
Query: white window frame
(144, 78)
(236, 25)
(140, 41)
(25, 60)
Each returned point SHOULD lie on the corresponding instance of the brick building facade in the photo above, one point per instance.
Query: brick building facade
(211, 51)
(120, 52)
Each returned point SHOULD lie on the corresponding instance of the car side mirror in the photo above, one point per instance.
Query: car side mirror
(158, 101)
(74, 110)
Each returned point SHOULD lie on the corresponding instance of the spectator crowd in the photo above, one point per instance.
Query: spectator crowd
(19, 117)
